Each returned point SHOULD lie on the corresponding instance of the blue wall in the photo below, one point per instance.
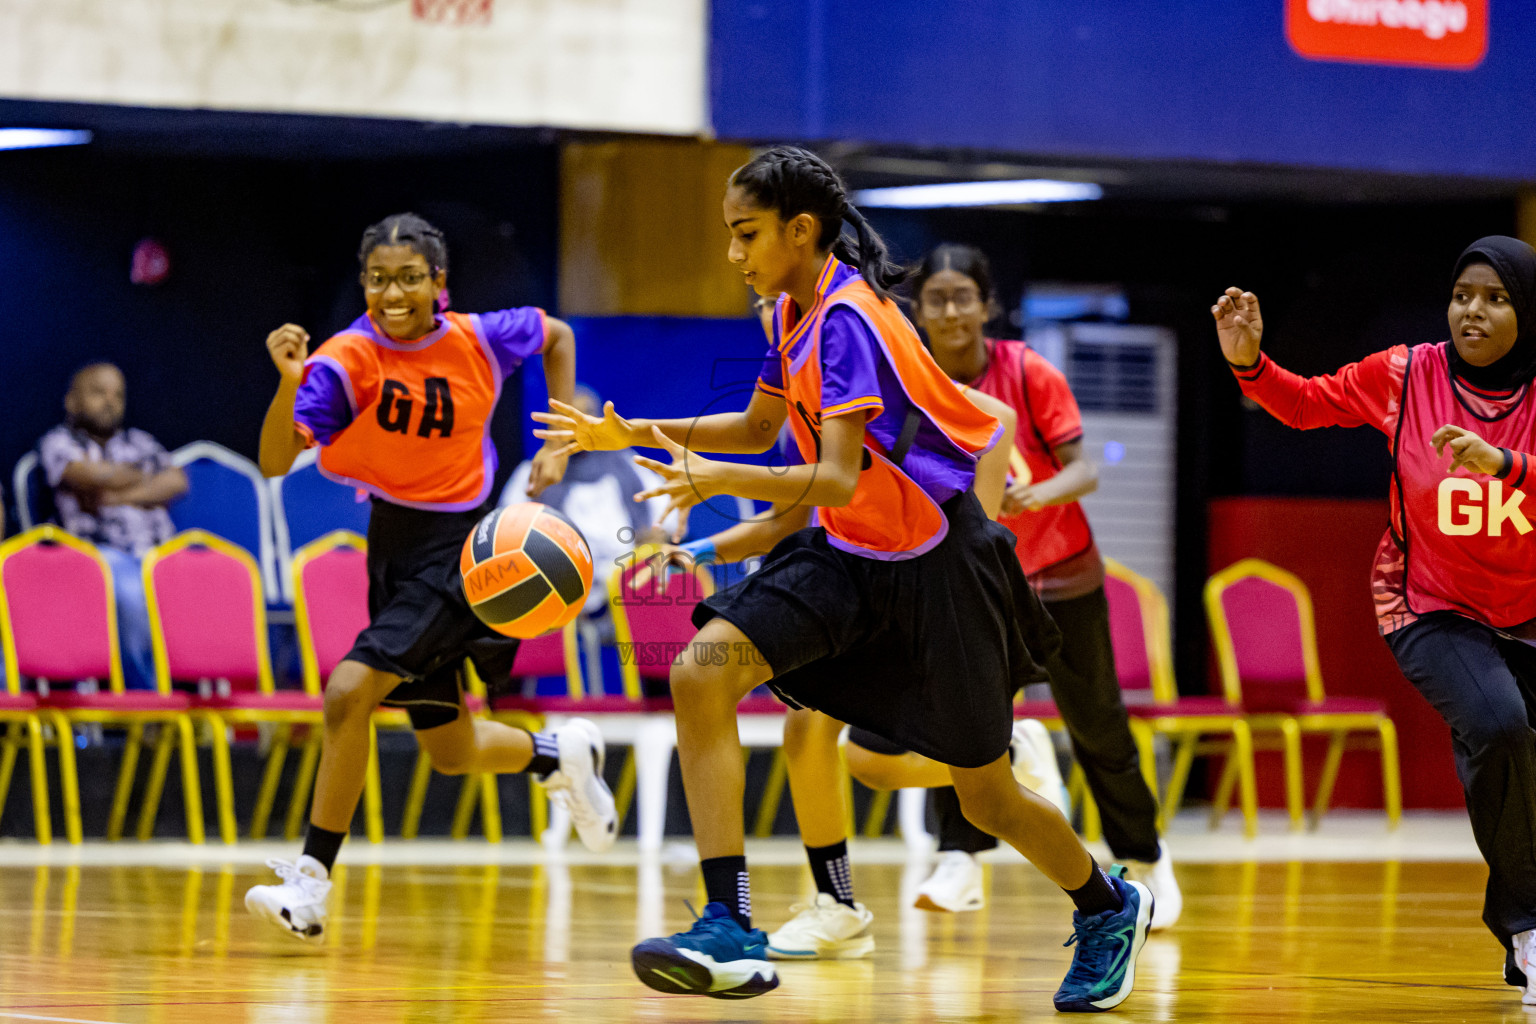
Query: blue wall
(1197, 80)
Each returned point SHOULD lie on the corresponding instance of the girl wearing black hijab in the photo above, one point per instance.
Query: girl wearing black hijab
(1454, 579)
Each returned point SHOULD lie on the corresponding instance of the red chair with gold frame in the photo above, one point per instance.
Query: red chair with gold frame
(207, 616)
(1143, 642)
(1266, 645)
(58, 622)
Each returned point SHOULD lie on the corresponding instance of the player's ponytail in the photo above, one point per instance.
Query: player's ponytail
(793, 181)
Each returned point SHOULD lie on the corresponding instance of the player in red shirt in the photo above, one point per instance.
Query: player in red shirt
(1454, 578)
(953, 299)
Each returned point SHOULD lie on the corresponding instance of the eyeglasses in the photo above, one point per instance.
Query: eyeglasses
(965, 301)
(409, 279)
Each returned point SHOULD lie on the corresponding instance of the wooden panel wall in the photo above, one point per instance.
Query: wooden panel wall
(641, 230)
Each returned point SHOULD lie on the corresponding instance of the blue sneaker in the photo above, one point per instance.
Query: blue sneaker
(1104, 965)
(716, 957)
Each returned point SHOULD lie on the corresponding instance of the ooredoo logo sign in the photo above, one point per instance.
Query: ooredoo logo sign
(1422, 33)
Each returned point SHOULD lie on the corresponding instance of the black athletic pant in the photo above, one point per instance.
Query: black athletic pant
(1484, 686)
(1087, 693)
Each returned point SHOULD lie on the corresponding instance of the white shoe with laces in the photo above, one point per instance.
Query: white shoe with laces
(1034, 763)
(954, 886)
(1525, 959)
(1158, 877)
(824, 929)
(297, 903)
(578, 785)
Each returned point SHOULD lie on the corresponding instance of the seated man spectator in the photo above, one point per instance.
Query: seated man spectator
(111, 486)
(598, 495)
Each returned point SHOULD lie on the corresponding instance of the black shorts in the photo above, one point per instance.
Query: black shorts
(420, 627)
(926, 652)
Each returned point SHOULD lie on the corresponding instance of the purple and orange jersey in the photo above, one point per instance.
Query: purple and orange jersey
(854, 353)
(409, 421)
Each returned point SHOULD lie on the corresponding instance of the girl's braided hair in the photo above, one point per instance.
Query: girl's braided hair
(793, 181)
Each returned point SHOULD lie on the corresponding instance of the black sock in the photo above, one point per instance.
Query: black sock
(725, 881)
(323, 845)
(1097, 895)
(829, 866)
(546, 754)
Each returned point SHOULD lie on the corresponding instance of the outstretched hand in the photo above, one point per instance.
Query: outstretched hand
(1468, 451)
(571, 430)
(1239, 326)
(685, 481)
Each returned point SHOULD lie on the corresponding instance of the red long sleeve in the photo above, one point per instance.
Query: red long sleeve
(1360, 394)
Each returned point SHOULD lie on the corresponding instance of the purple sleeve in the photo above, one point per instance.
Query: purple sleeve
(56, 451)
(322, 408)
(771, 379)
(849, 358)
(514, 335)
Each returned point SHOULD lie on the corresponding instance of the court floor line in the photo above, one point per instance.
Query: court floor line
(57, 1020)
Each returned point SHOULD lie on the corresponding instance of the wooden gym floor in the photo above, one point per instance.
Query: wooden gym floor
(1288, 928)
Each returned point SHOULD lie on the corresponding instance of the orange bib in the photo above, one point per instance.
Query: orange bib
(421, 412)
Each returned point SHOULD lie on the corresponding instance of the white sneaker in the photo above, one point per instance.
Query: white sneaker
(824, 929)
(1525, 959)
(1034, 763)
(955, 884)
(297, 904)
(579, 787)
(1158, 876)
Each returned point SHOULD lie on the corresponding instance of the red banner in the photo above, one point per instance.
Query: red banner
(1418, 33)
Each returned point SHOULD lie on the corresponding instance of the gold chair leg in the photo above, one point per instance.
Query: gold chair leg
(624, 795)
(773, 795)
(879, 810)
(538, 809)
(1330, 776)
(373, 790)
(42, 817)
(1248, 790)
(1223, 800)
(416, 796)
(12, 747)
(1391, 774)
(464, 810)
(69, 776)
(490, 806)
(271, 777)
(192, 783)
(223, 779)
(1183, 760)
(165, 745)
(298, 800)
(126, 773)
(1093, 827)
(1295, 805)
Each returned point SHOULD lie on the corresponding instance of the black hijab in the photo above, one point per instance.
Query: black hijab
(1515, 263)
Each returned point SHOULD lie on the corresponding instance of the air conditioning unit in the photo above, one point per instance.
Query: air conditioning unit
(1123, 376)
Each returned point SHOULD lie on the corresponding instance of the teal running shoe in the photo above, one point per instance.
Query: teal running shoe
(1104, 965)
(716, 957)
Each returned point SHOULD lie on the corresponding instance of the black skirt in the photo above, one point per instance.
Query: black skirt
(420, 626)
(926, 652)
